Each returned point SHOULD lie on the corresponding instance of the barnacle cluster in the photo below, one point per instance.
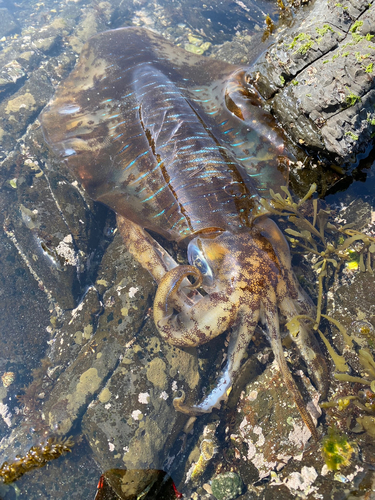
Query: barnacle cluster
(37, 456)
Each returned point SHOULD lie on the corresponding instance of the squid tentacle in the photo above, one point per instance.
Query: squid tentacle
(239, 341)
(193, 324)
(272, 320)
(308, 348)
(269, 230)
(152, 256)
(306, 342)
(169, 285)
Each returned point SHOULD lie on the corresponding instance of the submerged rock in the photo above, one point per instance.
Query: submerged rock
(226, 486)
(268, 431)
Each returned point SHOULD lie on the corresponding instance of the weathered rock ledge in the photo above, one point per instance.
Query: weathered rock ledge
(319, 76)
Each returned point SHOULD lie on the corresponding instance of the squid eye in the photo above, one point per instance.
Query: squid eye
(197, 259)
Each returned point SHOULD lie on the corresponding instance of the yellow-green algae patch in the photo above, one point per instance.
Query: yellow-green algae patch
(102, 282)
(25, 101)
(105, 395)
(79, 336)
(87, 331)
(154, 344)
(157, 373)
(183, 364)
(148, 440)
(89, 383)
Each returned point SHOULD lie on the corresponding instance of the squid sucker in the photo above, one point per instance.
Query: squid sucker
(178, 144)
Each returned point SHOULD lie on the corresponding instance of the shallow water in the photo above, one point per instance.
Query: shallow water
(59, 250)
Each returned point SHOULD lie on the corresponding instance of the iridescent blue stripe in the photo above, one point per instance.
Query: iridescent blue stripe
(159, 214)
(135, 160)
(157, 192)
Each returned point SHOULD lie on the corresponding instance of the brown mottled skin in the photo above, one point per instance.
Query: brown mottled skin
(167, 140)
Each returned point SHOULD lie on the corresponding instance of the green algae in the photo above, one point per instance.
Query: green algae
(351, 99)
(337, 450)
(323, 31)
(303, 47)
(353, 31)
(352, 135)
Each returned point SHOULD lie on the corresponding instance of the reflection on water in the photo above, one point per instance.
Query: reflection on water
(75, 328)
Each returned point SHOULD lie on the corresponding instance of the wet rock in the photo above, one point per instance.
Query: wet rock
(226, 486)
(132, 420)
(352, 299)
(73, 332)
(84, 350)
(319, 75)
(93, 21)
(43, 224)
(147, 484)
(268, 429)
(117, 371)
(55, 480)
(10, 74)
(7, 23)
(132, 423)
(100, 350)
(23, 107)
(311, 478)
(25, 315)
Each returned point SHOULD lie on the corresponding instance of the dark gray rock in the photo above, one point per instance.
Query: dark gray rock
(7, 23)
(320, 78)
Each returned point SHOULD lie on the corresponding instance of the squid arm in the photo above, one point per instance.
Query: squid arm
(241, 335)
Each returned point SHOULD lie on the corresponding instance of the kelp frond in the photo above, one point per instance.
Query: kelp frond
(332, 245)
(37, 456)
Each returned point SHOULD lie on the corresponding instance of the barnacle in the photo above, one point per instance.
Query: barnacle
(37, 456)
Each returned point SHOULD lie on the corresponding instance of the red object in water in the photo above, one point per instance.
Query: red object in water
(101, 482)
(178, 494)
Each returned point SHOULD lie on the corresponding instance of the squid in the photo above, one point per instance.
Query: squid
(179, 145)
